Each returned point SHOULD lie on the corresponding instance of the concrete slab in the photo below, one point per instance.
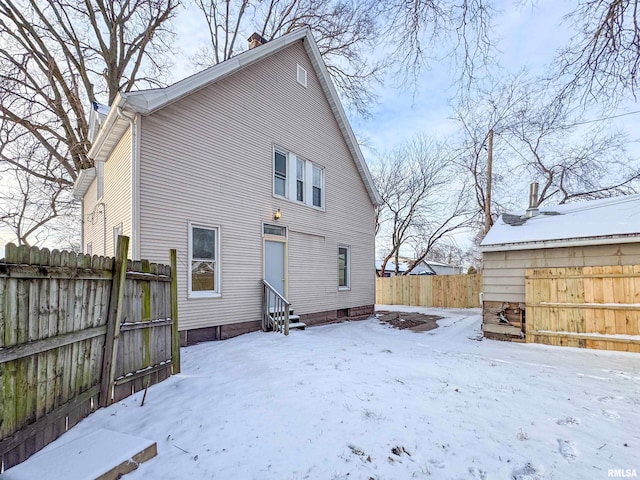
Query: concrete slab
(103, 455)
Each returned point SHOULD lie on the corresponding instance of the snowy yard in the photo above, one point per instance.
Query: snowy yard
(362, 400)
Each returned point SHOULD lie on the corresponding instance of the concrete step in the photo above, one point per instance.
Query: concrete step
(297, 325)
(103, 454)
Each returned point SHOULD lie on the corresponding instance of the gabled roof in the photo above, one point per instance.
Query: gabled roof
(146, 102)
(609, 220)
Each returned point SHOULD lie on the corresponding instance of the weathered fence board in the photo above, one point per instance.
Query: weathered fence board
(450, 291)
(55, 314)
(588, 307)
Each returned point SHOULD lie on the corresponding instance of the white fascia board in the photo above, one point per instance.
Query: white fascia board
(107, 126)
(569, 242)
(341, 117)
(83, 180)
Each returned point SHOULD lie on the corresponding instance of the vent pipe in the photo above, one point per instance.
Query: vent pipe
(532, 211)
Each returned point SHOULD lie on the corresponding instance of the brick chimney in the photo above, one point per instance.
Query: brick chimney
(255, 40)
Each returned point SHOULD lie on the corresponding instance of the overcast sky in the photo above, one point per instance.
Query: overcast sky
(529, 32)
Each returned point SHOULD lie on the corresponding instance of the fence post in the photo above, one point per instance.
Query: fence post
(114, 320)
(175, 335)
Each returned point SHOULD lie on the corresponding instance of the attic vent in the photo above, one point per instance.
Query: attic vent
(302, 76)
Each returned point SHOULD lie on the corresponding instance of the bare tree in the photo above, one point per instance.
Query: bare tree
(571, 159)
(489, 110)
(417, 29)
(58, 56)
(422, 204)
(540, 137)
(601, 62)
(345, 33)
(360, 39)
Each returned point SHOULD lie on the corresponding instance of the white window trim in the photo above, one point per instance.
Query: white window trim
(205, 294)
(287, 178)
(323, 182)
(348, 285)
(301, 75)
(291, 179)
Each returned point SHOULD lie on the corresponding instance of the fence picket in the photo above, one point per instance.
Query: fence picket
(453, 291)
(48, 381)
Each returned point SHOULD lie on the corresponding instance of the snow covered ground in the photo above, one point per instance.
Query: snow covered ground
(363, 400)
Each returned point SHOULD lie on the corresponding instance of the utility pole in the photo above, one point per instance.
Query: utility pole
(487, 204)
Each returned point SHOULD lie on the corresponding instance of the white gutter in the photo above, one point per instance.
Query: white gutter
(576, 242)
(105, 129)
(134, 125)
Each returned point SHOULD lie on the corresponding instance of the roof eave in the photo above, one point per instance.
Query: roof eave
(343, 122)
(83, 180)
(97, 151)
(565, 242)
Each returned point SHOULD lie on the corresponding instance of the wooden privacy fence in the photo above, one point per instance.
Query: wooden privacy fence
(588, 307)
(454, 291)
(78, 332)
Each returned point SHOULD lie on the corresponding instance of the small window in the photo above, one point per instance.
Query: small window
(343, 268)
(274, 230)
(280, 174)
(300, 180)
(317, 186)
(100, 179)
(302, 76)
(204, 278)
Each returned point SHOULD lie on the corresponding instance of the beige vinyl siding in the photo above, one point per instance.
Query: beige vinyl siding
(116, 196)
(503, 272)
(208, 159)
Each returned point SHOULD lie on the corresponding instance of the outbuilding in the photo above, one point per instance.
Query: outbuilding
(571, 248)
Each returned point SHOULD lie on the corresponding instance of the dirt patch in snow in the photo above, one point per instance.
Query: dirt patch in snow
(417, 322)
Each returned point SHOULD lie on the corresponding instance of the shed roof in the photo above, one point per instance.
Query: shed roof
(609, 220)
(145, 102)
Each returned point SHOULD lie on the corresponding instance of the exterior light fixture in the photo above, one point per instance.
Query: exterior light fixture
(277, 215)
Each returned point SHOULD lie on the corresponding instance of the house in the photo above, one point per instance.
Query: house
(425, 267)
(431, 267)
(390, 268)
(251, 171)
(587, 234)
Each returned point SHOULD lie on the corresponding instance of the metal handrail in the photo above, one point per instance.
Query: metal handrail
(275, 310)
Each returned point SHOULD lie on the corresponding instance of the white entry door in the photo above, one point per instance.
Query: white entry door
(274, 265)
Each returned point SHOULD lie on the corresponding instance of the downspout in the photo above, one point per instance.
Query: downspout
(82, 225)
(134, 126)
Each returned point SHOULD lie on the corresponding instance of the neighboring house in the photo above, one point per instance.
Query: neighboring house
(390, 268)
(251, 171)
(426, 267)
(430, 267)
(593, 233)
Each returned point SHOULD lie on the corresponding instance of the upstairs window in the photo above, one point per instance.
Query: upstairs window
(318, 185)
(300, 180)
(204, 267)
(280, 174)
(297, 179)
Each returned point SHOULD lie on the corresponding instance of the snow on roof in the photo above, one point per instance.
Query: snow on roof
(100, 108)
(391, 266)
(584, 223)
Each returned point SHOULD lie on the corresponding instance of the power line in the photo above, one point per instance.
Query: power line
(600, 119)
